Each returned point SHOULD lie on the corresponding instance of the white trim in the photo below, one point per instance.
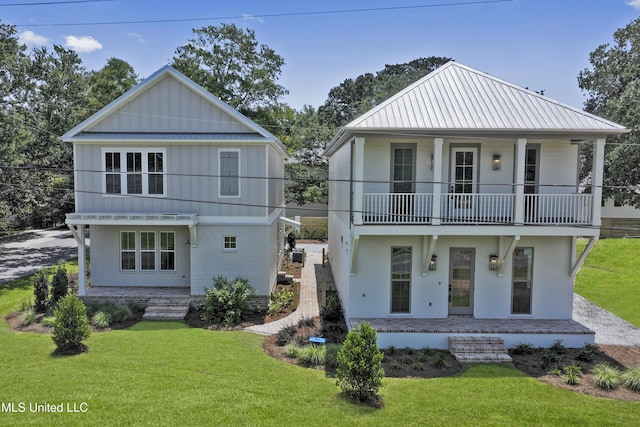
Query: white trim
(135, 252)
(154, 251)
(230, 150)
(234, 242)
(173, 251)
(144, 153)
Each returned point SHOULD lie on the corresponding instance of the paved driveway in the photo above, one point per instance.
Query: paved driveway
(34, 250)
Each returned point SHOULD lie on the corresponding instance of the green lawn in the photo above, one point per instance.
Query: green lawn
(165, 373)
(610, 277)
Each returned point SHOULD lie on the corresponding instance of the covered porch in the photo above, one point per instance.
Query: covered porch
(422, 332)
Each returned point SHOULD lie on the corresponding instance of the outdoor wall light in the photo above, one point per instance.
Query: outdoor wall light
(496, 162)
(493, 262)
(433, 263)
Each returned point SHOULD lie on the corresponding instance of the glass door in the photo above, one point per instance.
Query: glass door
(463, 182)
(461, 273)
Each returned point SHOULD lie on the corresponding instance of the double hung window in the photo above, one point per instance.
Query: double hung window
(142, 172)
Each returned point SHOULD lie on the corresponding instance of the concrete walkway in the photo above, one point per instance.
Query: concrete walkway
(609, 328)
(313, 276)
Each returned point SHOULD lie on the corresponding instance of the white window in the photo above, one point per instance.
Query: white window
(230, 243)
(143, 171)
(128, 250)
(148, 250)
(522, 281)
(401, 279)
(167, 251)
(229, 167)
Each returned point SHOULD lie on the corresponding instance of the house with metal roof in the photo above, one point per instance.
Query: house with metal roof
(454, 210)
(177, 188)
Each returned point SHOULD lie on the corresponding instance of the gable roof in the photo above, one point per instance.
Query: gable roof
(458, 98)
(168, 106)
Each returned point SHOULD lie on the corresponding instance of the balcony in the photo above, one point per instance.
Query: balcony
(477, 209)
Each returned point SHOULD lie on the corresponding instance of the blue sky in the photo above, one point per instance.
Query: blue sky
(540, 44)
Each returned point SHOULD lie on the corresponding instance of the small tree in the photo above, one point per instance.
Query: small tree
(41, 292)
(227, 301)
(71, 325)
(60, 285)
(359, 368)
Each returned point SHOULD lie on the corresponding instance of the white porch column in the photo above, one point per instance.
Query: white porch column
(358, 177)
(437, 180)
(596, 181)
(82, 255)
(518, 210)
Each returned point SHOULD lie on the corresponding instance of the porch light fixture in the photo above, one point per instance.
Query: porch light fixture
(493, 262)
(433, 263)
(496, 162)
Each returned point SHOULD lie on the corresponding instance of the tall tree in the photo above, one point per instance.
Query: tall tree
(613, 88)
(111, 81)
(355, 96)
(230, 63)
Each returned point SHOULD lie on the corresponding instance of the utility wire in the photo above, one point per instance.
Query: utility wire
(50, 3)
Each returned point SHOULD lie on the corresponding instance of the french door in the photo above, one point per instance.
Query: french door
(461, 275)
(463, 182)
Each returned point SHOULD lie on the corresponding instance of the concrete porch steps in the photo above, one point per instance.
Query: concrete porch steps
(173, 307)
(478, 349)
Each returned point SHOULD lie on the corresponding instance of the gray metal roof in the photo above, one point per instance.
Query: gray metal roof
(457, 97)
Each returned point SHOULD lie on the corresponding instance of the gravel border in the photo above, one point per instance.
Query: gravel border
(609, 328)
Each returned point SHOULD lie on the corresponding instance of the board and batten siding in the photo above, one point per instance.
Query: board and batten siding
(169, 106)
(192, 181)
(275, 185)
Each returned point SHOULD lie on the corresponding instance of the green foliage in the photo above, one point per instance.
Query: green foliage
(331, 355)
(280, 301)
(312, 355)
(522, 348)
(48, 321)
(285, 335)
(60, 284)
(359, 370)
(587, 353)
(391, 350)
(108, 83)
(41, 292)
(332, 310)
(101, 320)
(556, 372)
(418, 366)
(439, 361)
(631, 379)
(71, 326)
(572, 374)
(28, 317)
(550, 358)
(122, 313)
(26, 304)
(227, 301)
(395, 366)
(308, 322)
(606, 376)
(407, 360)
(558, 348)
(292, 350)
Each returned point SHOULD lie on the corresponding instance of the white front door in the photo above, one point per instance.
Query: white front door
(463, 182)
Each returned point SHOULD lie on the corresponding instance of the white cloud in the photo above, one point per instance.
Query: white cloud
(634, 3)
(248, 17)
(30, 38)
(136, 37)
(83, 43)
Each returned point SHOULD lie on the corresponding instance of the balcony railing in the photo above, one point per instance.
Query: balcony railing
(416, 208)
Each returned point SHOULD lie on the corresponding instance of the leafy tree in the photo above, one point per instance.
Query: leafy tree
(228, 62)
(355, 96)
(108, 83)
(612, 85)
(71, 325)
(359, 368)
(41, 292)
(60, 285)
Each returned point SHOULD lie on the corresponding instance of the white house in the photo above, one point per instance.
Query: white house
(177, 188)
(454, 209)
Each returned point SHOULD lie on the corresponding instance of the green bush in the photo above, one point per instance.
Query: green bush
(631, 379)
(60, 285)
(71, 326)
(558, 348)
(25, 305)
(332, 310)
(227, 301)
(101, 320)
(280, 301)
(439, 363)
(331, 355)
(418, 366)
(312, 355)
(285, 335)
(407, 360)
(550, 358)
(292, 350)
(48, 321)
(41, 292)
(572, 374)
(522, 348)
(395, 366)
(122, 313)
(359, 368)
(587, 353)
(606, 376)
(28, 317)
(308, 322)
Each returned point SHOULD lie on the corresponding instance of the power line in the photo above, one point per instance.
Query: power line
(49, 3)
(271, 15)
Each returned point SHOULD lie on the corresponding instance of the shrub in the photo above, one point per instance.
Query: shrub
(522, 348)
(28, 317)
(439, 362)
(331, 355)
(417, 366)
(48, 321)
(122, 313)
(359, 368)
(425, 351)
(391, 350)
(587, 353)
(308, 322)
(549, 358)
(332, 310)
(135, 306)
(556, 372)
(631, 379)
(101, 320)
(395, 366)
(25, 305)
(572, 374)
(41, 292)
(285, 335)
(557, 347)
(292, 350)
(71, 326)
(60, 285)
(312, 355)
(606, 376)
(227, 301)
(407, 360)
(423, 357)
(279, 301)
